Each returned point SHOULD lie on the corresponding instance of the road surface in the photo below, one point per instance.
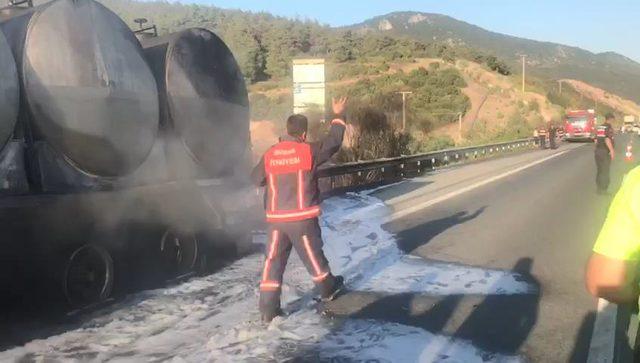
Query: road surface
(475, 263)
(540, 222)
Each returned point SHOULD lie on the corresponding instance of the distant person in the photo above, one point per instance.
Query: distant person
(612, 272)
(604, 154)
(292, 200)
(552, 134)
(542, 136)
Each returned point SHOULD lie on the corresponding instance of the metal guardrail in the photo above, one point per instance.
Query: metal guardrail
(392, 169)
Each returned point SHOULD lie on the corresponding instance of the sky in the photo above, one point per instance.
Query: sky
(598, 26)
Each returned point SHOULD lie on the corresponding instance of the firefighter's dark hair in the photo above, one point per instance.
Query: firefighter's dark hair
(609, 116)
(297, 125)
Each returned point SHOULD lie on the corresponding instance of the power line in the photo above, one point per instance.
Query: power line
(524, 71)
(404, 112)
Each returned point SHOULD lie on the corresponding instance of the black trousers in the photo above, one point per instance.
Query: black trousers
(552, 140)
(603, 165)
(305, 236)
(543, 141)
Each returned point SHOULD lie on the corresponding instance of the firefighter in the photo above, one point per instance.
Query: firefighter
(288, 171)
(604, 154)
(552, 134)
(542, 135)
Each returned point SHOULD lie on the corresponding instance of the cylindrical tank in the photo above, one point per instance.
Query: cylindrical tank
(88, 89)
(9, 92)
(203, 97)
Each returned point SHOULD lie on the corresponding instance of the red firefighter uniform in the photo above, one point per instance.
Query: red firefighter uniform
(542, 135)
(288, 170)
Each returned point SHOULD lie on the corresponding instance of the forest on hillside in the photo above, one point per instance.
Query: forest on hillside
(265, 44)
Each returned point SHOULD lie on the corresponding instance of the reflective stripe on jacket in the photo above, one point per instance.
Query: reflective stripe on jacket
(288, 170)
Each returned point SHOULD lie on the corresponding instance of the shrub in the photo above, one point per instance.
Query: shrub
(497, 65)
(435, 143)
(534, 106)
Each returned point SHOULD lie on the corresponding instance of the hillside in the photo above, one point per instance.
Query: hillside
(604, 98)
(499, 110)
(264, 44)
(610, 71)
(491, 104)
(450, 67)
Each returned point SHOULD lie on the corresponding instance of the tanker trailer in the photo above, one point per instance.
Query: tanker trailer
(12, 175)
(96, 168)
(203, 101)
(204, 113)
(87, 88)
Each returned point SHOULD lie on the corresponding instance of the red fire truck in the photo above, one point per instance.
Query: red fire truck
(580, 125)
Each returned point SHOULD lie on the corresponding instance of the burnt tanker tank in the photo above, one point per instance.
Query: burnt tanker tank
(203, 99)
(9, 92)
(87, 88)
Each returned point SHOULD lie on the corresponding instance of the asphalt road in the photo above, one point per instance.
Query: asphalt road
(533, 213)
(540, 222)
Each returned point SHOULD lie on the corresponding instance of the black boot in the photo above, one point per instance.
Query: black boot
(332, 289)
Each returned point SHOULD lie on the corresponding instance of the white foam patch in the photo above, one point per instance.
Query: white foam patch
(376, 264)
(214, 318)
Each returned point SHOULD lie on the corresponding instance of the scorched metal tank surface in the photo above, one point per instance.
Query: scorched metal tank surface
(89, 89)
(203, 97)
(9, 92)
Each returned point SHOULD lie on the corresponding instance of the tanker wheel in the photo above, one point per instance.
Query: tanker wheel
(179, 253)
(88, 277)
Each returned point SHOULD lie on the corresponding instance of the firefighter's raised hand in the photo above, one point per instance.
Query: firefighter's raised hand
(339, 105)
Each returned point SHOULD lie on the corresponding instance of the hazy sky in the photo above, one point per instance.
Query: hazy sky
(594, 25)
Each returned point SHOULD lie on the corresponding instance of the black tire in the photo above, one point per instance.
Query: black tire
(179, 253)
(88, 276)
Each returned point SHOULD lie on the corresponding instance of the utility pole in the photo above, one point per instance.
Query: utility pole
(404, 112)
(560, 86)
(524, 70)
(460, 126)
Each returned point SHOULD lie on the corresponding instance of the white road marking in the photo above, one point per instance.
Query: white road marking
(418, 207)
(602, 343)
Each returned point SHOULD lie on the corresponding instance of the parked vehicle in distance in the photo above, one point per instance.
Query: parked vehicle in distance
(629, 124)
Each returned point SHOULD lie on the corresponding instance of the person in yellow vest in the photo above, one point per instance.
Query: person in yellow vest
(612, 271)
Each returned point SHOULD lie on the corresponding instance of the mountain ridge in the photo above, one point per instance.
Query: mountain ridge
(609, 70)
(496, 33)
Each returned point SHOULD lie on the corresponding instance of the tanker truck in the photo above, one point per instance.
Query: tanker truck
(112, 169)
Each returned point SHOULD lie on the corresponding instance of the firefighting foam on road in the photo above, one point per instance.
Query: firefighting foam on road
(214, 318)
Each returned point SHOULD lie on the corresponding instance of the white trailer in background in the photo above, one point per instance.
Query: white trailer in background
(630, 124)
(308, 85)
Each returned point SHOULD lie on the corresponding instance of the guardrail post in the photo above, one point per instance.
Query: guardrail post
(390, 173)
